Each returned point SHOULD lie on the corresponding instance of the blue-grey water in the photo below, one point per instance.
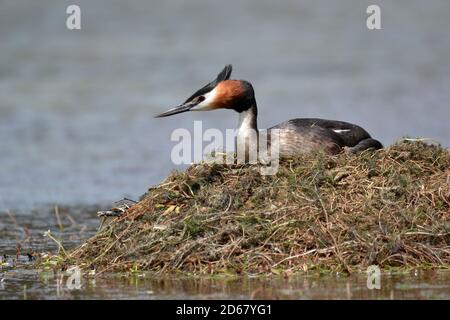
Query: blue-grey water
(77, 106)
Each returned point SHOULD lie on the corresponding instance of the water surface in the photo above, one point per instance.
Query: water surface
(48, 285)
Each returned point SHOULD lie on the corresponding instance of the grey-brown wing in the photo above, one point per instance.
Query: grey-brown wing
(344, 133)
(295, 139)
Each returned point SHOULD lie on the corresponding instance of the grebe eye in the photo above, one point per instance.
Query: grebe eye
(200, 99)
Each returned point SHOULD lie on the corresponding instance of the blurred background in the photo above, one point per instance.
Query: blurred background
(77, 106)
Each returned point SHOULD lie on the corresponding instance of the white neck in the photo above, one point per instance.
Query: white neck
(247, 134)
(247, 119)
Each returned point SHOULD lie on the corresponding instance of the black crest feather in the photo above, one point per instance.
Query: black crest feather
(222, 76)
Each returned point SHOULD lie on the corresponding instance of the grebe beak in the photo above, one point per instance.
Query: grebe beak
(180, 109)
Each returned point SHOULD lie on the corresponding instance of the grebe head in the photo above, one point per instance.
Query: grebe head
(222, 93)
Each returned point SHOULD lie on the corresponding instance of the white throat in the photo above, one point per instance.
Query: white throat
(247, 127)
(247, 119)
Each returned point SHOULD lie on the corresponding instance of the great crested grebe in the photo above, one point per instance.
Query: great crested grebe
(296, 136)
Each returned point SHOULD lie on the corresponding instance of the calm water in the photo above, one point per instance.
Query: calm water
(76, 107)
(29, 285)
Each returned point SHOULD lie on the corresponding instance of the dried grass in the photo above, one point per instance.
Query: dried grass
(390, 207)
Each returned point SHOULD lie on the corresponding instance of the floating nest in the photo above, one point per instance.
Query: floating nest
(389, 207)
